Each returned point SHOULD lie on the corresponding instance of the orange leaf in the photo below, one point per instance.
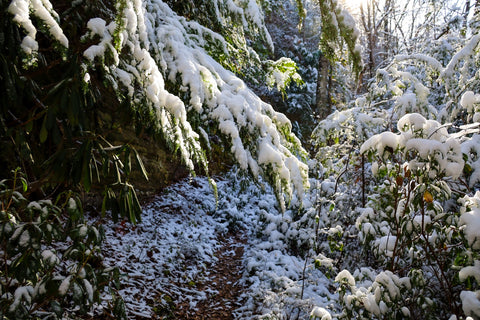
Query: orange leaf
(427, 196)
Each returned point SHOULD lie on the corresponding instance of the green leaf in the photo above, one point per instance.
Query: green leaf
(57, 87)
(57, 308)
(140, 164)
(29, 126)
(24, 184)
(127, 163)
(97, 171)
(117, 163)
(43, 130)
(136, 205)
(131, 209)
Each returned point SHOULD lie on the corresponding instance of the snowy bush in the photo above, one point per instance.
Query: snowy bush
(346, 130)
(406, 226)
(430, 83)
(415, 225)
(381, 297)
(469, 273)
(51, 261)
(160, 60)
(342, 179)
(176, 74)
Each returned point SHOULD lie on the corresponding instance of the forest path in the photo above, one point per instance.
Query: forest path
(221, 286)
(182, 261)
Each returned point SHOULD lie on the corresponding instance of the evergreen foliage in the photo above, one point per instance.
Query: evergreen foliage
(51, 257)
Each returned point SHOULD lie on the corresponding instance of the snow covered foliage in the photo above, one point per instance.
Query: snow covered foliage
(281, 73)
(469, 273)
(431, 83)
(297, 39)
(409, 190)
(342, 178)
(162, 61)
(404, 89)
(50, 265)
(177, 73)
(405, 224)
(378, 297)
(337, 26)
(425, 143)
(348, 128)
(23, 11)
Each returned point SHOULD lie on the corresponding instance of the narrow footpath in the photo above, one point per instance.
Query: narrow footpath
(222, 286)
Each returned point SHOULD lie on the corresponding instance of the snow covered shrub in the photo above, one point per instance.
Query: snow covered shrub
(161, 65)
(373, 296)
(346, 130)
(471, 151)
(460, 75)
(407, 226)
(414, 235)
(469, 262)
(319, 313)
(402, 87)
(342, 180)
(51, 264)
(430, 83)
(281, 73)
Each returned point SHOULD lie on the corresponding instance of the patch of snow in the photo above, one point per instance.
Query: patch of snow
(42, 9)
(345, 276)
(471, 302)
(320, 313)
(64, 286)
(471, 220)
(20, 294)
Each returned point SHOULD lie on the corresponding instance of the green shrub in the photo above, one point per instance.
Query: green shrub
(51, 263)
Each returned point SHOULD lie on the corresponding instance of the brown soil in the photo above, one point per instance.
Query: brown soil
(223, 278)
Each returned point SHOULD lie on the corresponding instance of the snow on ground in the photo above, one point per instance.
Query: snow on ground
(173, 250)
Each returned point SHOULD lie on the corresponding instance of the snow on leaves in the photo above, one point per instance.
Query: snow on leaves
(162, 48)
(165, 64)
(429, 146)
(23, 10)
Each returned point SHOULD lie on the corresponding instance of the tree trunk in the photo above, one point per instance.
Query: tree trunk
(323, 103)
(369, 26)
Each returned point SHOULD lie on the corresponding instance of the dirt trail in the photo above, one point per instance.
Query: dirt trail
(221, 286)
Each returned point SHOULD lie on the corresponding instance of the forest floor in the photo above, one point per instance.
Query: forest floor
(223, 281)
(197, 257)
